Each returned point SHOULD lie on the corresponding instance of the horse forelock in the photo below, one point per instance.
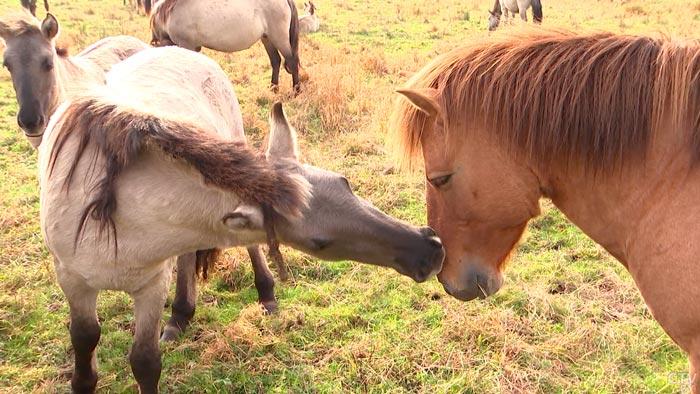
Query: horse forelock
(119, 133)
(18, 24)
(590, 100)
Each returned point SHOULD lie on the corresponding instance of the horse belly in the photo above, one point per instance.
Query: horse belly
(230, 31)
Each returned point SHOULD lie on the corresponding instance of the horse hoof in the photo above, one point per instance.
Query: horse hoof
(170, 334)
(270, 307)
(274, 88)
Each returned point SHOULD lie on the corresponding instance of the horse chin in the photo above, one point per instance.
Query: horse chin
(35, 138)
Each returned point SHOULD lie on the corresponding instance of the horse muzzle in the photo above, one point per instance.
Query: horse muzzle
(474, 284)
(32, 125)
(426, 259)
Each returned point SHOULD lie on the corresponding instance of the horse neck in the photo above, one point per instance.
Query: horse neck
(71, 75)
(639, 204)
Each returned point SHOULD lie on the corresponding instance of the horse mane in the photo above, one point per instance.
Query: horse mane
(161, 12)
(555, 96)
(18, 24)
(120, 133)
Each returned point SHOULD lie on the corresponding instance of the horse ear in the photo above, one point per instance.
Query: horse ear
(426, 100)
(244, 217)
(283, 137)
(49, 26)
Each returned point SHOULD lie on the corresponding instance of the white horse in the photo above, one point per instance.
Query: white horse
(231, 26)
(155, 165)
(308, 23)
(514, 7)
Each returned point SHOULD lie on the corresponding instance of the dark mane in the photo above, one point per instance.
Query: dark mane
(162, 11)
(590, 100)
(121, 133)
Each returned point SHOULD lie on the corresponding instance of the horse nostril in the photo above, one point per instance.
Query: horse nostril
(435, 242)
(428, 232)
(31, 123)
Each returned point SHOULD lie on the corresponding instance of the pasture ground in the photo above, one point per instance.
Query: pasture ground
(568, 319)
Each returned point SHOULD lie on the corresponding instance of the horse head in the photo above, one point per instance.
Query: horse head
(339, 225)
(29, 57)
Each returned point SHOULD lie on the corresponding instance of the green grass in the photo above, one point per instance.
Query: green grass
(568, 318)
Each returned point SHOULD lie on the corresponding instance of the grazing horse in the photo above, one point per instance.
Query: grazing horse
(154, 165)
(30, 5)
(308, 23)
(606, 126)
(231, 26)
(44, 75)
(514, 6)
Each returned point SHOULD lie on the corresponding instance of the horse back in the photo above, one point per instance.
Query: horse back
(111, 50)
(226, 25)
(198, 88)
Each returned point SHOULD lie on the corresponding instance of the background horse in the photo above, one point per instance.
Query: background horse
(44, 75)
(30, 5)
(502, 7)
(127, 182)
(308, 23)
(606, 126)
(231, 26)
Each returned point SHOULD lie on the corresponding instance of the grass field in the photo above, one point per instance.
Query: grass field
(567, 320)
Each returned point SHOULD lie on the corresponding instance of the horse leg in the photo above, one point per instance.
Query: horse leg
(264, 282)
(84, 330)
(185, 297)
(275, 61)
(145, 357)
(523, 14)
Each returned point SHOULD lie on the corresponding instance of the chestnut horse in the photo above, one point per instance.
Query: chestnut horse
(606, 126)
(155, 165)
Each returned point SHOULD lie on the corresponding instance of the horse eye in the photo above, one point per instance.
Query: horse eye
(48, 65)
(440, 181)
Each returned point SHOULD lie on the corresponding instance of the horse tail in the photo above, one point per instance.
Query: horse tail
(294, 29)
(537, 11)
(147, 6)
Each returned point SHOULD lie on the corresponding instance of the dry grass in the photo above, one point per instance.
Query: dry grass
(569, 318)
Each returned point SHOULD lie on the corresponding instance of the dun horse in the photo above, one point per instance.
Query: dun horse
(502, 7)
(308, 23)
(231, 26)
(127, 182)
(43, 75)
(606, 126)
(30, 5)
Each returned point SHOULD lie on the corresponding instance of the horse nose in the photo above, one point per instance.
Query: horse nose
(431, 263)
(476, 284)
(428, 232)
(32, 124)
